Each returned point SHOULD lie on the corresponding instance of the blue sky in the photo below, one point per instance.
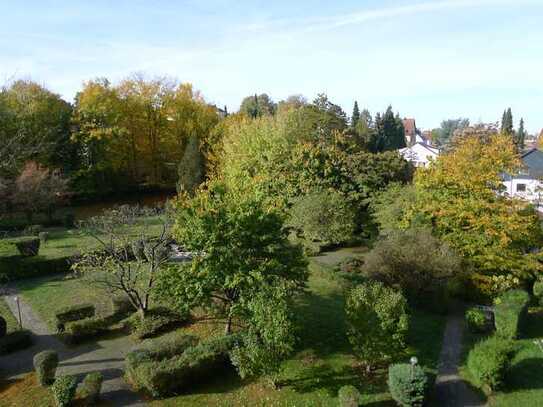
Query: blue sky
(430, 59)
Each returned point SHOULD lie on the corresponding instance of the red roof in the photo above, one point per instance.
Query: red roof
(409, 126)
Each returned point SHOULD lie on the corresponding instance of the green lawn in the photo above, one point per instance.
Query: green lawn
(8, 316)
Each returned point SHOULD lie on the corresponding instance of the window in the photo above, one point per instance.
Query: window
(521, 187)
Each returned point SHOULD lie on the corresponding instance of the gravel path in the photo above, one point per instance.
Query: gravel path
(451, 389)
(105, 356)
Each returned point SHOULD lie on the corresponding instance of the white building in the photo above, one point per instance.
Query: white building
(527, 184)
(420, 153)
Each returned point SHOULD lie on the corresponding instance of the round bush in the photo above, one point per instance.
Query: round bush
(3, 327)
(476, 320)
(64, 390)
(488, 362)
(91, 387)
(45, 364)
(538, 291)
(349, 396)
(407, 384)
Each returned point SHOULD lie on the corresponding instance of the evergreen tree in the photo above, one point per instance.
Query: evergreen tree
(521, 136)
(191, 167)
(390, 131)
(356, 115)
(507, 123)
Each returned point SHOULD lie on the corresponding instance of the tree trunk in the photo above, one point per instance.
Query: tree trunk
(228, 327)
(141, 312)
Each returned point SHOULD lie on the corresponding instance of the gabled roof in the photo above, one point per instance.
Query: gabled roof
(532, 161)
(409, 126)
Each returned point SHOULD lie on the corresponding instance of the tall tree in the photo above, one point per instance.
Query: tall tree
(356, 115)
(390, 131)
(257, 106)
(520, 136)
(445, 133)
(507, 123)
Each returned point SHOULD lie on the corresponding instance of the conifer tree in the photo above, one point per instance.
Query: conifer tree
(507, 123)
(521, 136)
(356, 115)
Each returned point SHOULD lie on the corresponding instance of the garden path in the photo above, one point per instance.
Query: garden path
(105, 356)
(451, 389)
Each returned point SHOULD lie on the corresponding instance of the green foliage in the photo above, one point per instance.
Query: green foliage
(73, 313)
(414, 260)
(191, 167)
(156, 321)
(15, 340)
(488, 362)
(538, 291)
(323, 217)
(510, 313)
(407, 384)
(85, 329)
(377, 321)
(28, 247)
(45, 365)
(20, 267)
(3, 327)
(121, 305)
(349, 396)
(444, 134)
(257, 105)
(390, 133)
(64, 390)
(356, 115)
(91, 386)
(507, 122)
(476, 321)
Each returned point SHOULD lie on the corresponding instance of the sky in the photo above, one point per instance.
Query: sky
(429, 59)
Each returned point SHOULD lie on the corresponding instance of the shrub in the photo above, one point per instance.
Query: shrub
(28, 247)
(3, 327)
(377, 321)
(510, 313)
(45, 365)
(324, 217)
(121, 305)
(64, 390)
(33, 230)
(407, 384)
(538, 291)
(349, 396)
(157, 320)
(19, 267)
(15, 340)
(476, 320)
(44, 237)
(85, 329)
(73, 313)
(195, 365)
(488, 362)
(91, 386)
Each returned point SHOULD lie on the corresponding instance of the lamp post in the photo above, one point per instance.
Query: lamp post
(413, 362)
(19, 312)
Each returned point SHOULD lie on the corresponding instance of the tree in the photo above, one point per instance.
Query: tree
(377, 322)
(356, 115)
(507, 123)
(257, 106)
(390, 132)
(130, 255)
(444, 134)
(328, 117)
(292, 102)
(38, 189)
(520, 136)
(191, 167)
(244, 272)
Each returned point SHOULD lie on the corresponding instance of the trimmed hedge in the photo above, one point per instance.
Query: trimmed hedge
(156, 321)
(45, 365)
(349, 396)
(20, 267)
(510, 313)
(73, 313)
(476, 321)
(85, 329)
(15, 340)
(538, 292)
(489, 361)
(195, 365)
(64, 390)
(407, 384)
(90, 388)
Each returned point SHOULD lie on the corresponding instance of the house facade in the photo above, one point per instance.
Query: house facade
(528, 183)
(420, 154)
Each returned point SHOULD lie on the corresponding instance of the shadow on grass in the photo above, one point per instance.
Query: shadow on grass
(323, 377)
(525, 375)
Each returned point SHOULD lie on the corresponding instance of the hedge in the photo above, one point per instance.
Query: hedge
(64, 390)
(73, 313)
(476, 321)
(195, 365)
(510, 313)
(489, 361)
(20, 267)
(156, 321)
(90, 388)
(85, 329)
(407, 384)
(15, 340)
(349, 396)
(538, 292)
(45, 365)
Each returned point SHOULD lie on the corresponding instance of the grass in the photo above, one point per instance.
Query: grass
(6, 313)
(25, 392)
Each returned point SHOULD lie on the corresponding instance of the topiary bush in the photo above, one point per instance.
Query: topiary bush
(3, 327)
(538, 292)
(377, 322)
(15, 340)
(157, 320)
(45, 365)
(28, 247)
(510, 313)
(73, 313)
(85, 329)
(488, 362)
(64, 390)
(349, 396)
(407, 384)
(476, 321)
(90, 388)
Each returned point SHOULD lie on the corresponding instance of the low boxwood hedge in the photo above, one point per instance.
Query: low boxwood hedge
(489, 361)
(45, 365)
(64, 390)
(15, 340)
(90, 388)
(510, 313)
(85, 329)
(156, 321)
(20, 267)
(195, 365)
(73, 313)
